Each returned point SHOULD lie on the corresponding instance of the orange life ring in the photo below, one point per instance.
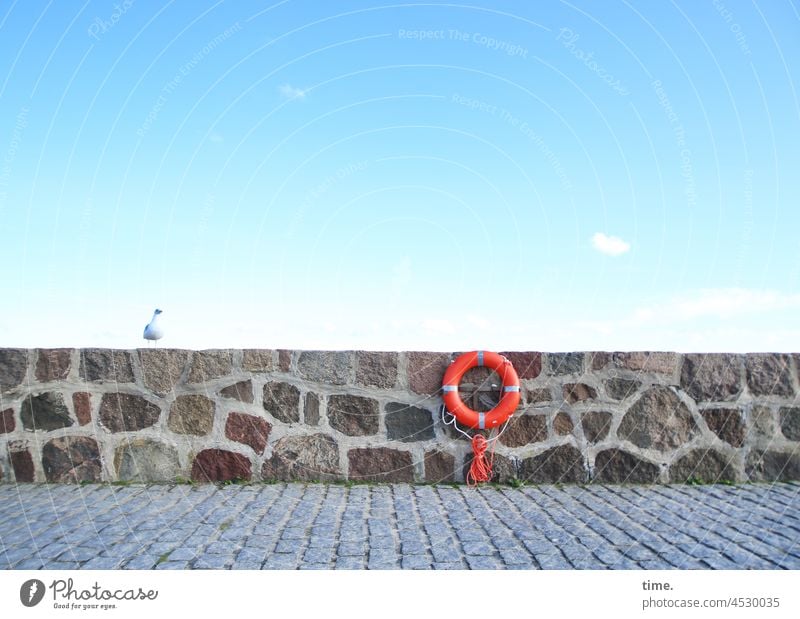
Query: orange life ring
(508, 401)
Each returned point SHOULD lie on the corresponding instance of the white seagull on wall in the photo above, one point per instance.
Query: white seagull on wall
(153, 330)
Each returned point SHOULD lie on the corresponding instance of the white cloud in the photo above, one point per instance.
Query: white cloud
(609, 245)
(290, 92)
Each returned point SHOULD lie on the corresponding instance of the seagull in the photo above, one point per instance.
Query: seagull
(153, 330)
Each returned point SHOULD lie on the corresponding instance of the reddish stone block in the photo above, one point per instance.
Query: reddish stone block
(7, 423)
(712, 377)
(380, 464)
(376, 369)
(524, 429)
(53, 364)
(769, 374)
(578, 392)
(726, 423)
(82, 403)
(284, 360)
(599, 360)
(562, 424)
(527, 364)
(248, 430)
(71, 459)
(426, 370)
(23, 466)
(220, 465)
(439, 467)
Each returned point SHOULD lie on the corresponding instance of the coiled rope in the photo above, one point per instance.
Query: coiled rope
(480, 470)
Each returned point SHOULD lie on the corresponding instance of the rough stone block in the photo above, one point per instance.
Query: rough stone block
(535, 396)
(376, 369)
(769, 374)
(599, 360)
(621, 388)
(13, 367)
(503, 469)
(380, 464)
(578, 392)
(106, 365)
(763, 422)
(208, 364)
(284, 360)
(325, 366)
(658, 420)
(562, 464)
(562, 424)
(311, 409)
(248, 430)
(303, 458)
(790, 422)
(82, 404)
(524, 430)
(711, 377)
(766, 465)
(123, 412)
(7, 423)
(162, 369)
(655, 362)
(439, 467)
(353, 415)
(22, 463)
(257, 361)
(426, 371)
(615, 466)
(146, 460)
(596, 425)
(52, 364)
(527, 364)
(726, 423)
(221, 465)
(191, 414)
(282, 401)
(703, 465)
(46, 411)
(564, 363)
(408, 423)
(242, 391)
(71, 459)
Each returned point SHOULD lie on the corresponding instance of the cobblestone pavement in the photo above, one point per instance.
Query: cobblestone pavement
(309, 526)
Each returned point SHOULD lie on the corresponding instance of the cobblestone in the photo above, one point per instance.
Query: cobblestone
(305, 526)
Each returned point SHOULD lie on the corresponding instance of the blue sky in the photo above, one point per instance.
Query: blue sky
(500, 175)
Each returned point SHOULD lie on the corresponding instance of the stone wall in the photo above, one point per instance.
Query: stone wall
(74, 415)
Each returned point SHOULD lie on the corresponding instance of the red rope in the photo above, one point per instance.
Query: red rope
(481, 469)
